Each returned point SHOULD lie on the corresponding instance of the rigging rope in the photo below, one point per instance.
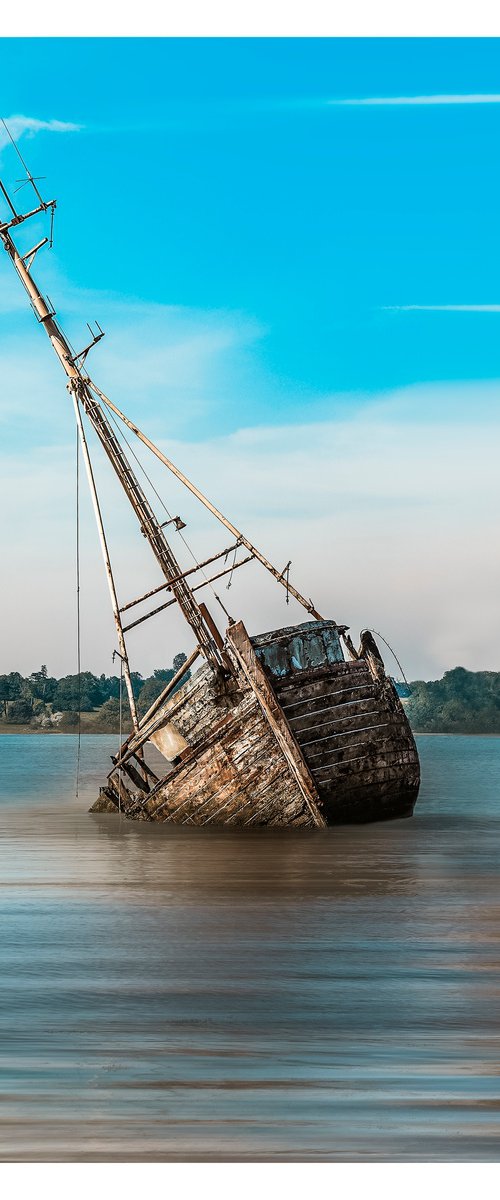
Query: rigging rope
(78, 622)
(122, 435)
(121, 733)
(393, 652)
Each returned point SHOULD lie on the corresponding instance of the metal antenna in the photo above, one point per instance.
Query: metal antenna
(30, 178)
(44, 204)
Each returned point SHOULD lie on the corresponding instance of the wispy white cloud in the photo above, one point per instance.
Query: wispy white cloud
(477, 308)
(373, 537)
(371, 534)
(180, 365)
(446, 98)
(19, 125)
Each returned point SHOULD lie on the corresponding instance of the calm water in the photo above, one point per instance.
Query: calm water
(181, 994)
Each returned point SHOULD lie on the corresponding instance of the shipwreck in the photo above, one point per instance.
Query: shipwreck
(292, 727)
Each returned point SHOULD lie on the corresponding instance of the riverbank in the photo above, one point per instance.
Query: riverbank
(89, 727)
(33, 731)
(30, 730)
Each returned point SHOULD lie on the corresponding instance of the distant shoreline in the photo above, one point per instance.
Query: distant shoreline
(461, 704)
(29, 731)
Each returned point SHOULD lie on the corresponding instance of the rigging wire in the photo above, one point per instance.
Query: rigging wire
(78, 620)
(228, 585)
(122, 435)
(393, 652)
(115, 654)
(121, 733)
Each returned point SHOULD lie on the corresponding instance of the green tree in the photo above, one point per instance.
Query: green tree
(461, 702)
(40, 694)
(109, 717)
(136, 681)
(75, 692)
(149, 693)
(4, 693)
(41, 685)
(20, 712)
(10, 689)
(110, 686)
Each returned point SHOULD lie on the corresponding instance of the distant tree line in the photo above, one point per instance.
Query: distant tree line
(42, 700)
(461, 702)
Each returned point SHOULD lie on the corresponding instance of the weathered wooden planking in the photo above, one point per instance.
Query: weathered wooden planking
(194, 707)
(258, 746)
(358, 796)
(340, 755)
(238, 775)
(346, 674)
(242, 648)
(316, 729)
(309, 715)
(378, 727)
(368, 768)
(356, 740)
(324, 692)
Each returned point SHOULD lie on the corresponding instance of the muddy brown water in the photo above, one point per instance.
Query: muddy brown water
(182, 994)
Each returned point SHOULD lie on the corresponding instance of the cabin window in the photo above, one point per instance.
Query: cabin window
(300, 649)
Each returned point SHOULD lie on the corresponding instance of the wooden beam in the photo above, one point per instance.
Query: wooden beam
(147, 725)
(163, 586)
(243, 650)
(280, 576)
(168, 603)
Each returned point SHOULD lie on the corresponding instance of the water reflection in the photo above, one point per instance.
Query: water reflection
(181, 993)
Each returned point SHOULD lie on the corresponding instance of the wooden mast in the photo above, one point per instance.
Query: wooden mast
(79, 387)
(88, 398)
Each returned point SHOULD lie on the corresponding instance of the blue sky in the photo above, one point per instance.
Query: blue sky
(266, 256)
(215, 175)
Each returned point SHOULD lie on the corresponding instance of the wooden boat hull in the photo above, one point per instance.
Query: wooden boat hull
(294, 736)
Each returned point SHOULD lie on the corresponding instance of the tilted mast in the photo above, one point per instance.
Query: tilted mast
(87, 398)
(80, 389)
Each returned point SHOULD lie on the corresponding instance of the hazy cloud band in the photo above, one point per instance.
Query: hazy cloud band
(477, 308)
(461, 98)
